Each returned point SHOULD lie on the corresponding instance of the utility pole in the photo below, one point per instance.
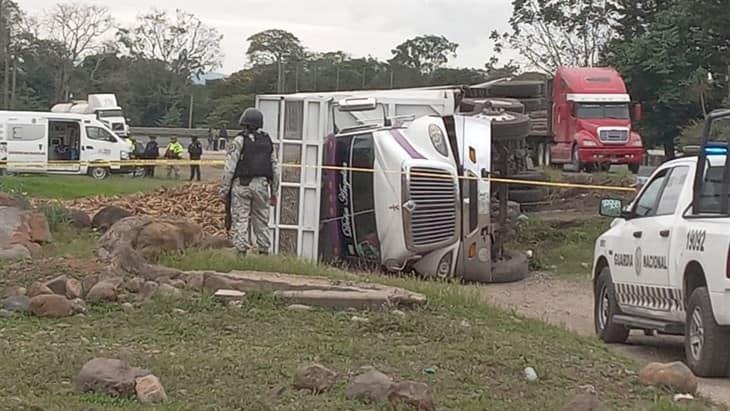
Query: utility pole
(337, 84)
(190, 113)
(3, 52)
(392, 74)
(364, 72)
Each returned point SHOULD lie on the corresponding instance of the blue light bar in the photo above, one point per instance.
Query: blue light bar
(715, 151)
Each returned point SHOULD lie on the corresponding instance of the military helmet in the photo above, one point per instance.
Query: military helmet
(252, 118)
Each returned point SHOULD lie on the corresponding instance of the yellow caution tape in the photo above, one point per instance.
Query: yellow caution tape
(70, 165)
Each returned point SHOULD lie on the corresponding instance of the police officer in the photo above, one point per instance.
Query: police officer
(250, 183)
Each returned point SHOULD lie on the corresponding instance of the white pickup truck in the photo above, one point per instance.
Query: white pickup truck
(664, 265)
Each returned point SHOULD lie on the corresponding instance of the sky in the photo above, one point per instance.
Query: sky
(360, 28)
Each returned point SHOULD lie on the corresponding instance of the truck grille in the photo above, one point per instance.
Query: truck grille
(433, 214)
(614, 135)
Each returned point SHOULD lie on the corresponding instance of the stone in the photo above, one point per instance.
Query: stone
(15, 252)
(17, 303)
(228, 296)
(50, 305)
(178, 283)
(88, 282)
(314, 377)
(38, 288)
(149, 390)
(195, 281)
(6, 313)
(127, 307)
(38, 227)
(78, 306)
(531, 374)
(57, 285)
(79, 219)
(371, 387)
(134, 285)
(160, 237)
(415, 395)
(7, 200)
(168, 290)
(676, 376)
(103, 291)
(357, 319)
(299, 308)
(108, 216)
(149, 289)
(584, 402)
(74, 289)
(108, 376)
(15, 291)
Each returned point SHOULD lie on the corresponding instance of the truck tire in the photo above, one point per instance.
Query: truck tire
(605, 307)
(530, 175)
(634, 168)
(705, 342)
(99, 173)
(508, 126)
(528, 195)
(514, 266)
(534, 104)
(517, 89)
(507, 104)
(575, 164)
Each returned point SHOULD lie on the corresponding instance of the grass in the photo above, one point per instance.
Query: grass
(61, 187)
(559, 247)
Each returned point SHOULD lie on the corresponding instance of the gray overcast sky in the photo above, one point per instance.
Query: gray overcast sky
(361, 28)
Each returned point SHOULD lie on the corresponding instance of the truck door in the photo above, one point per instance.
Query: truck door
(27, 145)
(474, 141)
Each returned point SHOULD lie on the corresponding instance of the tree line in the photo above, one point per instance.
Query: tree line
(672, 53)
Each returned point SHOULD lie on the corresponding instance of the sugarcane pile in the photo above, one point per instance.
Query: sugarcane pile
(197, 202)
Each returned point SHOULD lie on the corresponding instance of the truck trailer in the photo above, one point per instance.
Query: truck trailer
(103, 106)
(396, 179)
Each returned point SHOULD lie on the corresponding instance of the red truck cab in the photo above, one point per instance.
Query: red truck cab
(591, 120)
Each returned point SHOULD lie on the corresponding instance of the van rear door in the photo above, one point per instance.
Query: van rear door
(27, 144)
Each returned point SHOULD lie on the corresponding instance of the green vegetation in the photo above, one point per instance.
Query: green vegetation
(61, 187)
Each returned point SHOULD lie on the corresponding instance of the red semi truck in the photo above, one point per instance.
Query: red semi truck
(582, 119)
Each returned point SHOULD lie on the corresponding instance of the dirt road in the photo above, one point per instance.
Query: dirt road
(569, 304)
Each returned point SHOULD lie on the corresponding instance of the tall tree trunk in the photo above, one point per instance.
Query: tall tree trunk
(13, 88)
(4, 53)
(669, 149)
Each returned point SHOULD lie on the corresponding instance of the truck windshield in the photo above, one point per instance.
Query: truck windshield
(618, 111)
(110, 113)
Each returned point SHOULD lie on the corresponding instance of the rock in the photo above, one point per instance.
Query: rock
(101, 292)
(6, 200)
(149, 289)
(683, 398)
(15, 252)
(38, 227)
(584, 402)
(168, 290)
(531, 374)
(134, 285)
(215, 243)
(177, 283)
(228, 296)
(398, 313)
(37, 289)
(373, 386)
(57, 285)
(88, 282)
(415, 395)
(278, 391)
(299, 307)
(50, 305)
(78, 306)
(161, 236)
(17, 303)
(357, 319)
(79, 219)
(5, 313)
(108, 216)
(315, 377)
(74, 289)
(149, 390)
(195, 281)
(15, 291)
(676, 376)
(127, 307)
(109, 377)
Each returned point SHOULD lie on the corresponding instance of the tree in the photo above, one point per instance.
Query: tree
(275, 47)
(424, 54)
(184, 43)
(79, 28)
(553, 33)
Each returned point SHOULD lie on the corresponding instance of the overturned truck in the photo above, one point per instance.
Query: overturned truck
(396, 179)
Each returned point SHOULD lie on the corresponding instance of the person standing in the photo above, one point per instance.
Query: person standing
(195, 150)
(222, 137)
(249, 184)
(151, 152)
(210, 139)
(173, 152)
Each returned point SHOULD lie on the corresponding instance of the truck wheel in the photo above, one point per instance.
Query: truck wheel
(517, 89)
(575, 162)
(528, 195)
(528, 175)
(634, 168)
(508, 126)
(605, 307)
(514, 266)
(534, 104)
(705, 342)
(99, 173)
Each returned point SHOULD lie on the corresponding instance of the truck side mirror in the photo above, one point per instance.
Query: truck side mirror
(638, 112)
(611, 208)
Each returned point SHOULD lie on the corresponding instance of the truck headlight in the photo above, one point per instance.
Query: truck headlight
(636, 143)
(438, 139)
(589, 143)
(124, 155)
(444, 268)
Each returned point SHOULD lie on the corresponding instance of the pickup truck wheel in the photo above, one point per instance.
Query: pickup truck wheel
(705, 342)
(634, 168)
(99, 173)
(605, 308)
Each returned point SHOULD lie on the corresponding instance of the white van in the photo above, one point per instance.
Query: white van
(59, 143)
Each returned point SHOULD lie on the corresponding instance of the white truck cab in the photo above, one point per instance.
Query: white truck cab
(664, 265)
(62, 143)
(103, 106)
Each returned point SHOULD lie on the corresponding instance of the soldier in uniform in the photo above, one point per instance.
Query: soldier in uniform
(250, 183)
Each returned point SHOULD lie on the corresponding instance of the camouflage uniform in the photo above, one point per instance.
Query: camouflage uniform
(249, 203)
